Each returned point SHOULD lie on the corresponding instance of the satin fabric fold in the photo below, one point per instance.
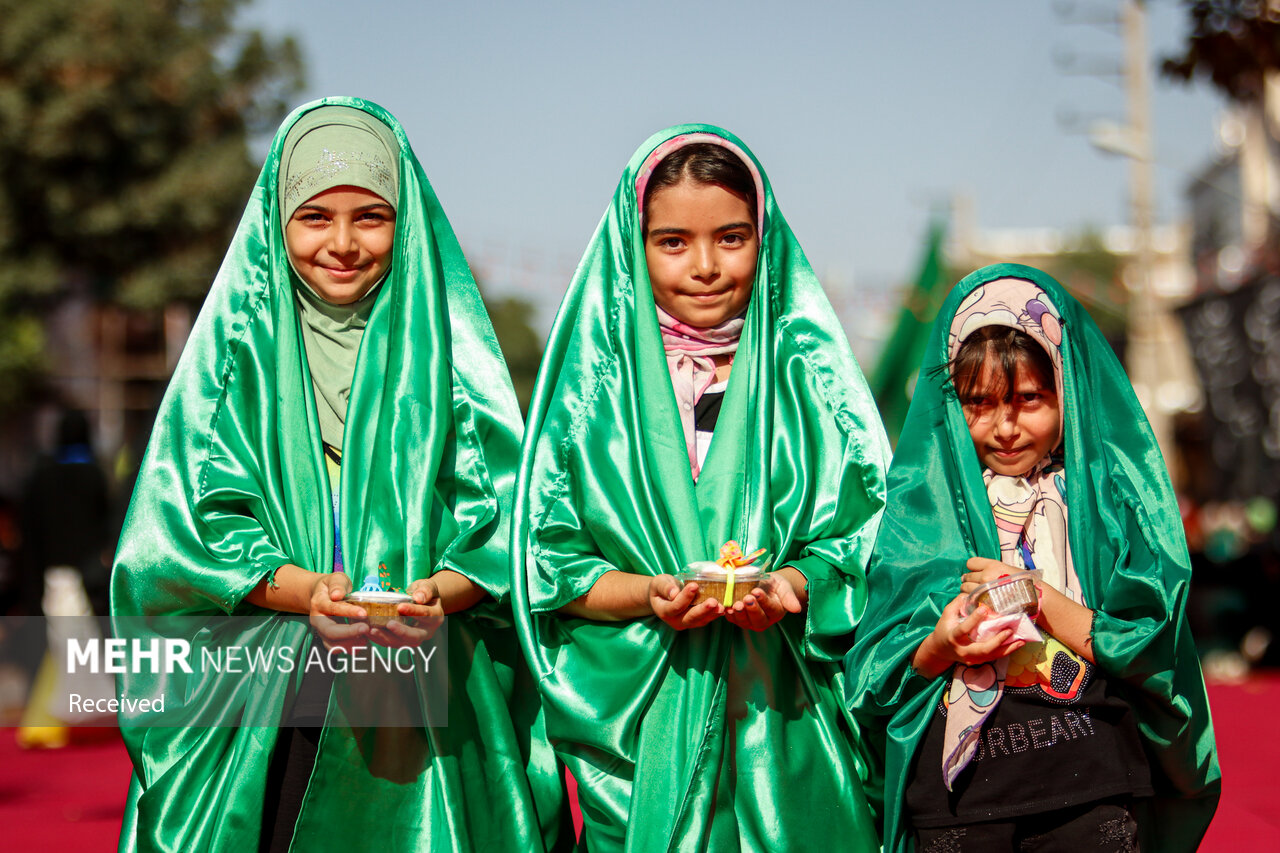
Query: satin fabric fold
(233, 485)
(1127, 548)
(714, 738)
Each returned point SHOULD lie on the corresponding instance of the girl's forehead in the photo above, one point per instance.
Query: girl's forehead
(690, 199)
(992, 376)
(351, 194)
(676, 142)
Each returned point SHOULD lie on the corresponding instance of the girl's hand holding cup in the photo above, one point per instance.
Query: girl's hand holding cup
(765, 605)
(328, 613)
(952, 641)
(426, 611)
(980, 570)
(674, 605)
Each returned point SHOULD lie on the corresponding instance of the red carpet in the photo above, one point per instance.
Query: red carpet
(1244, 721)
(72, 798)
(63, 799)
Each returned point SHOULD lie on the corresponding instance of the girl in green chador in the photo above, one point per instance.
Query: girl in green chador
(697, 389)
(1062, 709)
(341, 416)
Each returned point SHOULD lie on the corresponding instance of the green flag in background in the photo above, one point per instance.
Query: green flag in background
(894, 377)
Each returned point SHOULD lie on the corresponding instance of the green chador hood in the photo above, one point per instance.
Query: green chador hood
(1126, 542)
(717, 735)
(233, 485)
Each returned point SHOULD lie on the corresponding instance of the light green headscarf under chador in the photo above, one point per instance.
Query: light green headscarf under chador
(233, 485)
(715, 738)
(1127, 547)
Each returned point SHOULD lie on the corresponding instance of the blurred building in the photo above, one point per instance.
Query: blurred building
(113, 364)
(1235, 201)
(1233, 320)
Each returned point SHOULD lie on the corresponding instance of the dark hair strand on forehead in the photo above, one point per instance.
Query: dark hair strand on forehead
(703, 163)
(1008, 349)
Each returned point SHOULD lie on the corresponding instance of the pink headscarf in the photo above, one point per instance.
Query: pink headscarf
(693, 370)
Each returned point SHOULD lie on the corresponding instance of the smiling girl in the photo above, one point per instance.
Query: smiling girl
(339, 242)
(697, 389)
(341, 416)
(1084, 724)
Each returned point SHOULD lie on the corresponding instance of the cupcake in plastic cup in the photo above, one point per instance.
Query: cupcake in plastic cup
(718, 582)
(381, 606)
(1013, 593)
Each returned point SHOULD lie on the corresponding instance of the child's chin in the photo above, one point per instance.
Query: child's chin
(1015, 468)
(703, 318)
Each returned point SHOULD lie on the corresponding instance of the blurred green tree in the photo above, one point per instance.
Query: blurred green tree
(521, 345)
(1234, 43)
(1093, 274)
(123, 151)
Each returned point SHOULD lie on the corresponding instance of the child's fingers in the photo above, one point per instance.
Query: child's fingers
(767, 606)
(338, 609)
(970, 623)
(954, 611)
(750, 613)
(763, 611)
(423, 591)
(702, 614)
(668, 612)
(1010, 648)
(397, 634)
(789, 600)
(665, 586)
(989, 649)
(336, 635)
(331, 629)
(427, 616)
(338, 584)
(747, 620)
(383, 635)
(979, 565)
(682, 598)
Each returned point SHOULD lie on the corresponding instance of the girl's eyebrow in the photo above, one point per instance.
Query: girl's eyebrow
(732, 226)
(320, 208)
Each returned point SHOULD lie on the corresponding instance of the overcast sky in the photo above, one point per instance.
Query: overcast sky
(866, 115)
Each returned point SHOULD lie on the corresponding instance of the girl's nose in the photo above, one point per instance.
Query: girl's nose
(342, 237)
(703, 261)
(1006, 423)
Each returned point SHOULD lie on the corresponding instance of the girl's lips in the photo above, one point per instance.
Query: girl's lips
(342, 274)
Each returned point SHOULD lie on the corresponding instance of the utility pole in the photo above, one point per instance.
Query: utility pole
(1145, 314)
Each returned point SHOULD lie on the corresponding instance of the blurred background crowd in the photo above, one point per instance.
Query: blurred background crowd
(131, 132)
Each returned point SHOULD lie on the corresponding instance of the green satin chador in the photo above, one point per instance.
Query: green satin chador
(715, 738)
(233, 485)
(1127, 546)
